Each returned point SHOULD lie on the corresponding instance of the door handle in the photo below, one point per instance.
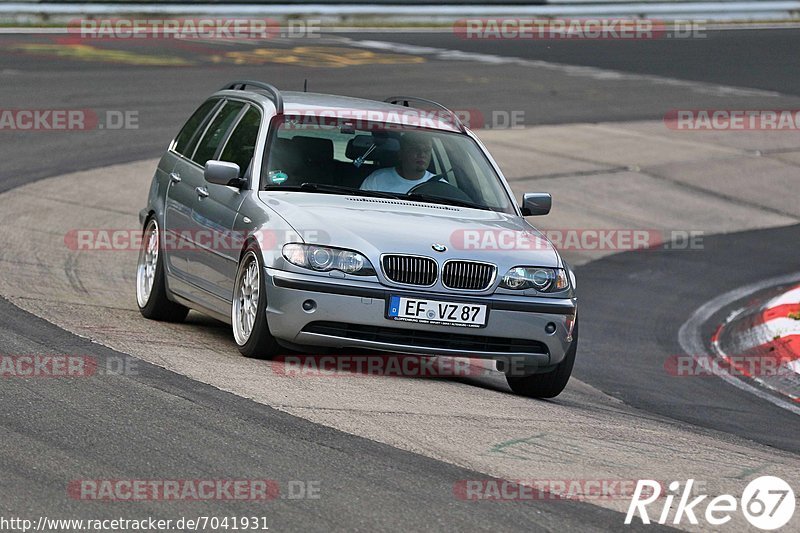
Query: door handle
(202, 192)
(175, 177)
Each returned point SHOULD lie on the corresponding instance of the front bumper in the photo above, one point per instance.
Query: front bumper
(360, 306)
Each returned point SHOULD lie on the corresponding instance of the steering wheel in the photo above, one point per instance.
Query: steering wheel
(442, 189)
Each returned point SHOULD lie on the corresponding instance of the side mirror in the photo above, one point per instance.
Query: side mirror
(223, 173)
(536, 203)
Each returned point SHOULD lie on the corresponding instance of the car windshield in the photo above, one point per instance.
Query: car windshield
(380, 159)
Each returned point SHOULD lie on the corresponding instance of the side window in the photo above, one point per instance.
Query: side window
(241, 145)
(191, 131)
(216, 132)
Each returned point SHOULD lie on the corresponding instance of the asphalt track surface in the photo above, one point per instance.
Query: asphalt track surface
(667, 285)
(160, 424)
(762, 59)
(51, 74)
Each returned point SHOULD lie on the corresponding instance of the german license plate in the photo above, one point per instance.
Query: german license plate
(425, 311)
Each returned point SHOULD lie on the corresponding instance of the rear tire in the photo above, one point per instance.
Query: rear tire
(249, 308)
(549, 384)
(151, 289)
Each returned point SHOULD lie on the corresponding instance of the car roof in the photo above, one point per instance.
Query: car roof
(331, 105)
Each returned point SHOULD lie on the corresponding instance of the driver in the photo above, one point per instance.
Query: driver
(411, 170)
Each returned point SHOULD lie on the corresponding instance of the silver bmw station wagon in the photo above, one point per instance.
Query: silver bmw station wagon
(314, 222)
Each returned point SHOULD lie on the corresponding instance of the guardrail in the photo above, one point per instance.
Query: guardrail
(201, 4)
(438, 12)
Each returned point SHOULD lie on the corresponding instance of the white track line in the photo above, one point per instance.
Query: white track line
(790, 297)
(693, 344)
(766, 332)
(444, 54)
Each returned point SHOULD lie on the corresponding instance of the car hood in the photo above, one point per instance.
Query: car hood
(374, 226)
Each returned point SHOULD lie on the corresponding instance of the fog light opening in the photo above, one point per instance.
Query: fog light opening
(309, 306)
(550, 328)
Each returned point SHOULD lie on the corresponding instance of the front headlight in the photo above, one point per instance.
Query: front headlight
(538, 278)
(326, 258)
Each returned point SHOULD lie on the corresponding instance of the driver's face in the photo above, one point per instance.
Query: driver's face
(416, 156)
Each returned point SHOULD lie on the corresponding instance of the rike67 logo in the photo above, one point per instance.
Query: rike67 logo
(767, 503)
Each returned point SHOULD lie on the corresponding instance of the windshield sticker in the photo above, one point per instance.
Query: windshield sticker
(277, 176)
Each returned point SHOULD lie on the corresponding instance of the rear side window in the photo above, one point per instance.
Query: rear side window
(241, 145)
(216, 132)
(191, 131)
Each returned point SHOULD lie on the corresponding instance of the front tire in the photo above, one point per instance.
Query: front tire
(151, 288)
(248, 311)
(549, 384)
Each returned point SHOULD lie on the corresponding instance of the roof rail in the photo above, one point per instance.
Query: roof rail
(406, 100)
(241, 84)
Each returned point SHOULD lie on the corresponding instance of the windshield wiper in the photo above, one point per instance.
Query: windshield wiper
(341, 189)
(442, 200)
(320, 187)
(333, 189)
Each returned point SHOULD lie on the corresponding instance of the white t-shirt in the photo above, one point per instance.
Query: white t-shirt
(388, 180)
